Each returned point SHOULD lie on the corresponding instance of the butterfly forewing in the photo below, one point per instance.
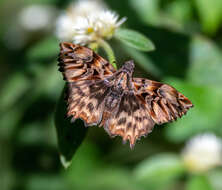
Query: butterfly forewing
(125, 106)
(81, 63)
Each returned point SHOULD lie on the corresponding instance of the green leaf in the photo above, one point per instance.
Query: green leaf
(210, 13)
(46, 48)
(198, 183)
(159, 170)
(70, 135)
(205, 115)
(134, 39)
(205, 62)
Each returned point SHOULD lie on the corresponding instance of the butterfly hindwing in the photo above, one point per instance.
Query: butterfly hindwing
(130, 120)
(86, 100)
(164, 103)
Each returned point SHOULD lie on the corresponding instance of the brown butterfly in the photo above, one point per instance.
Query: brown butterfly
(125, 106)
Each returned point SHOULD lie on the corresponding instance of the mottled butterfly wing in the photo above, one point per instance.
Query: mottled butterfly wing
(86, 100)
(84, 70)
(81, 63)
(130, 119)
(163, 102)
(148, 104)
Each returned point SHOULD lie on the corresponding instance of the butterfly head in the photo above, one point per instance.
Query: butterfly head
(128, 67)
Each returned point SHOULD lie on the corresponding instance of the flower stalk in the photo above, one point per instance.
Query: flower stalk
(94, 46)
(110, 54)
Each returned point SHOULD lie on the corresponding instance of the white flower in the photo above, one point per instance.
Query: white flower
(87, 24)
(202, 153)
(96, 26)
(84, 30)
(69, 18)
(37, 17)
(109, 22)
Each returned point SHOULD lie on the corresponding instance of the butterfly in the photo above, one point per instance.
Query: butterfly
(125, 106)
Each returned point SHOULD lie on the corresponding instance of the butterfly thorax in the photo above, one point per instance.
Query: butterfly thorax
(121, 83)
(128, 67)
(123, 79)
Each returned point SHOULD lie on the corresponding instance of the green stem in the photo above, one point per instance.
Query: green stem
(107, 48)
(94, 46)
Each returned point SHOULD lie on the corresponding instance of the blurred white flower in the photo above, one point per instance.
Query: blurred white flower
(33, 18)
(37, 17)
(202, 153)
(83, 26)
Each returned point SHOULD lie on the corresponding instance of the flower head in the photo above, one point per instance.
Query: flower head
(87, 26)
(96, 26)
(202, 153)
(69, 18)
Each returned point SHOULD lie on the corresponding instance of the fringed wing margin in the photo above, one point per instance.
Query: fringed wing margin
(164, 103)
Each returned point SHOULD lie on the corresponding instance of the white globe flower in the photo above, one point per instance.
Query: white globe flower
(96, 26)
(87, 21)
(69, 18)
(108, 22)
(202, 153)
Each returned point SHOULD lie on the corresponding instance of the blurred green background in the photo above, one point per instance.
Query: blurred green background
(188, 39)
